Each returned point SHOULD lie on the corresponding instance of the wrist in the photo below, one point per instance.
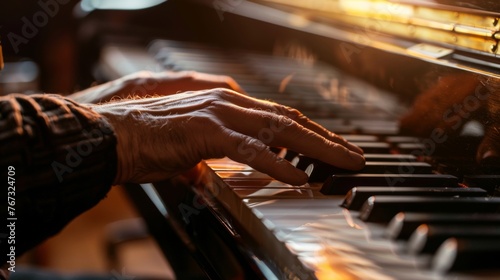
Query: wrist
(115, 118)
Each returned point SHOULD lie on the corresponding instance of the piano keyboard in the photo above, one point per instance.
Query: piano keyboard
(407, 215)
(371, 232)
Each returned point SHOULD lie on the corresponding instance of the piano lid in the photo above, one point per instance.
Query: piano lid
(492, 6)
(463, 35)
(448, 25)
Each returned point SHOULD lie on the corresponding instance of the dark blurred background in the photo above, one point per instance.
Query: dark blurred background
(52, 46)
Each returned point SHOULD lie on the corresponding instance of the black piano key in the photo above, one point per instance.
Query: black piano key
(405, 223)
(491, 183)
(321, 171)
(488, 174)
(374, 147)
(410, 148)
(357, 196)
(369, 110)
(390, 157)
(276, 150)
(454, 169)
(359, 138)
(374, 125)
(339, 126)
(380, 130)
(302, 162)
(467, 254)
(342, 183)
(465, 144)
(288, 154)
(428, 238)
(382, 209)
(401, 139)
(344, 128)
(374, 167)
(488, 169)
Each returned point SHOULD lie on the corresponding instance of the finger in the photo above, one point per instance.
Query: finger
(198, 100)
(249, 102)
(218, 81)
(309, 124)
(279, 130)
(256, 154)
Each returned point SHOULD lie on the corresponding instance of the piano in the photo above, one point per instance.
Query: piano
(412, 82)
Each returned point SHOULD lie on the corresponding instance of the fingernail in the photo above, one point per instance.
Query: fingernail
(301, 178)
(359, 160)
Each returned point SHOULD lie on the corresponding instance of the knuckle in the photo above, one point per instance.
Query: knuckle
(253, 142)
(224, 93)
(306, 134)
(216, 106)
(292, 113)
(214, 94)
(338, 147)
(278, 123)
(211, 100)
(297, 116)
(337, 138)
(284, 120)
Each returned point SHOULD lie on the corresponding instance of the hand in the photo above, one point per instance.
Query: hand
(159, 137)
(148, 84)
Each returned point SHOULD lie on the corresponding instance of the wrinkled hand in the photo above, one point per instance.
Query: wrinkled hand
(148, 84)
(159, 137)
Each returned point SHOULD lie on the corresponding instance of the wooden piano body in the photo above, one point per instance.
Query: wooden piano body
(415, 78)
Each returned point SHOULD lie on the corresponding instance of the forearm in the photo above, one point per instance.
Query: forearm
(64, 156)
(99, 93)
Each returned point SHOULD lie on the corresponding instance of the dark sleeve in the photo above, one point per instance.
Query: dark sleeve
(62, 158)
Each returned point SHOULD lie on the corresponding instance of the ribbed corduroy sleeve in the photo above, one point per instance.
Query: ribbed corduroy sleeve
(62, 158)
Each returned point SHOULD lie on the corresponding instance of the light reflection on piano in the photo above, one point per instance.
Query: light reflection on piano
(440, 55)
